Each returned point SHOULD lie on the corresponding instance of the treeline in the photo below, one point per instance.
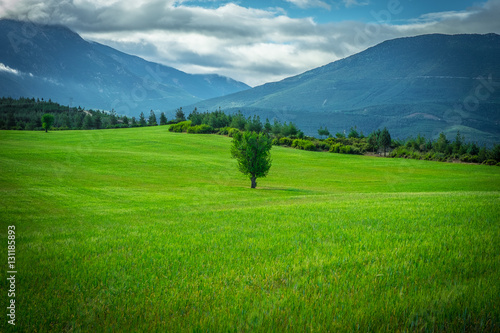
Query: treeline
(26, 114)
(282, 134)
(353, 142)
(445, 150)
(221, 123)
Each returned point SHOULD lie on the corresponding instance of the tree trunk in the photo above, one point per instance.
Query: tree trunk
(46, 130)
(254, 181)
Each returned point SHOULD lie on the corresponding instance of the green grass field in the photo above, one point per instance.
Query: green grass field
(146, 230)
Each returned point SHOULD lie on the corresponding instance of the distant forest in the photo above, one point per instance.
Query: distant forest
(26, 114)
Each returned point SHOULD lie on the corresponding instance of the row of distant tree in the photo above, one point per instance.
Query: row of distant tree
(26, 114)
(353, 142)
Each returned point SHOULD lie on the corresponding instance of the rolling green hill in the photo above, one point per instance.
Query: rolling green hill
(142, 229)
(426, 84)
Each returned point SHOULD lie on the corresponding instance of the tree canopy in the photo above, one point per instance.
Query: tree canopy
(47, 121)
(252, 151)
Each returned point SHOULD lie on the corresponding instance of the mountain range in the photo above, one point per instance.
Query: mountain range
(424, 85)
(51, 61)
(416, 85)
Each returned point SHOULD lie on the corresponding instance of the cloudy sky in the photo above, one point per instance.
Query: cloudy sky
(254, 41)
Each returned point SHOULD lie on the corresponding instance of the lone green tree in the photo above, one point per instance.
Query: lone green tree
(47, 121)
(252, 151)
(385, 139)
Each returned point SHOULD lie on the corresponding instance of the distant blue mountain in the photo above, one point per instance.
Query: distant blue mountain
(46, 61)
(417, 85)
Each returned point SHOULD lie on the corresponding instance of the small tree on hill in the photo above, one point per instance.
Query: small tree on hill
(179, 115)
(133, 122)
(252, 151)
(163, 119)
(276, 128)
(353, 133)
(142, 120)
(238, 121)
(253, 124)
(47, 121)
(323, 132)
(152, 119)
(385, 139)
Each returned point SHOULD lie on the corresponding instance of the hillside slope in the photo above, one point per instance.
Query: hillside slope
(144, 230)
(424, 84)
(54, 62)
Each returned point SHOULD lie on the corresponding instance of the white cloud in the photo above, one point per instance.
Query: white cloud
(252, 45)
(310, 4)
(352, 3)
(440, 16)
(7, 69)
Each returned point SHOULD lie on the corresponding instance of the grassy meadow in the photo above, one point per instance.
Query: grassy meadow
(145, 230)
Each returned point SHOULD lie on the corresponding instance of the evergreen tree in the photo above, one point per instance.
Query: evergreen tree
(285, 129)
(179, 115)
(482, 155)
(267, 127)
(292, 129)
(152, 119)
(78, 120)
(495, 152)
(125, 121)
(97, 120)
(112, 118)
(276, 127)
(458, 143)
(238, 121)
(66, 121)
(373, 139)
(385, 139)
(353, 133)
(88, 122)
(253, 124)
(142, 120)
(163, 119)
(441, 144)
(195, 117)
(323, 131)
(340, 135)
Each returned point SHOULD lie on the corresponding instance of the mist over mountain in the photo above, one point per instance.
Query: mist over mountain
(417, 85)
(48, 61)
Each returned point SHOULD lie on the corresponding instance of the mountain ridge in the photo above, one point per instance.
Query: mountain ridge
(390, 85)
(54, 62)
